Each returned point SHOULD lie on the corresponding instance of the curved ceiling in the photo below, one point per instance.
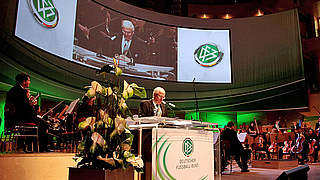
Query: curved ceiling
(61, 79)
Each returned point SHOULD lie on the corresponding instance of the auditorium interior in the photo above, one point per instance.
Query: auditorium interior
(268, 85)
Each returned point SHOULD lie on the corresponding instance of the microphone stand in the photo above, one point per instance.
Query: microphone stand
(196, 100)
(174, 113)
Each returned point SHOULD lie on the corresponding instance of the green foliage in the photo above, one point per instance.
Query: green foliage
(107, 140)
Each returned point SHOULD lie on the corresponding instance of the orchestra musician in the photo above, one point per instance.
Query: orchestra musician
(295, 127)
(304, 146)
(229, 138)
(19, 110)
(311, 145)
(252, 129)
(260, 139)
(276, 127)
(242, 128)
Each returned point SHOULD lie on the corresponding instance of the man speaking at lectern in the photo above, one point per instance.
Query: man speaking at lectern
(155, 106)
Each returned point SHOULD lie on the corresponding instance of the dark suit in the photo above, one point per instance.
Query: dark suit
(275, 127)
(147, 109)
(17, 108)
(295, 128)
(233, 146)
(137, 49)
(18, 111)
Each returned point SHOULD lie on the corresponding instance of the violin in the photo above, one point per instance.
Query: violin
(32, 99)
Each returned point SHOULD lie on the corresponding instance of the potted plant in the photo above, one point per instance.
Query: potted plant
(107, 141)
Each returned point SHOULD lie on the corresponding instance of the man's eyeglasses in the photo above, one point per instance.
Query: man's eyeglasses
(160, 96)
(127, 32)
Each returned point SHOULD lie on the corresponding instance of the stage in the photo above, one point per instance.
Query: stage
(54, 166)
(266, 173)
(36, 166)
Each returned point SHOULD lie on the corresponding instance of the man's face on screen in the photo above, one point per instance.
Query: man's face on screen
(127, 33)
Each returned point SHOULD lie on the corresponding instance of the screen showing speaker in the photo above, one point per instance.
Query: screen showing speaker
(93, 36)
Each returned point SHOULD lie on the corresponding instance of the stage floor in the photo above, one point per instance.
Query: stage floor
(266, 174)
(54, 166)
(36, 166)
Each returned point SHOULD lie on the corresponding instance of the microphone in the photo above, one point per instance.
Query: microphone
(170, 104)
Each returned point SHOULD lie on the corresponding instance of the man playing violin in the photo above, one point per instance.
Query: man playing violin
(19, 109)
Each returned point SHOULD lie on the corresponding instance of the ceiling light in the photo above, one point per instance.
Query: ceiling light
(260, 13)
(227, 16)
(204, 16)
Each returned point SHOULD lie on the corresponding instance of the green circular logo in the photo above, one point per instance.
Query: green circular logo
(208, 55)
(187, 147)
(44, 12)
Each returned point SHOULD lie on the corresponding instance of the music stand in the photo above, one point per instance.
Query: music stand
(267, 128)
(69, 138)
(69, 111)
(242, 137)
(72, 106)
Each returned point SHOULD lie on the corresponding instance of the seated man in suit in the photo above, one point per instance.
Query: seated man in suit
(155, 106)
(233, 146)
(19, 110)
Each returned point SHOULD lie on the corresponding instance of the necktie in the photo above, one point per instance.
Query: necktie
(158, 111)
(125, 47)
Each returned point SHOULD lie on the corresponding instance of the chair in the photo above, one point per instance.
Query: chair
(226, 155)
(25, 131)
(260, 155)
(6, 141)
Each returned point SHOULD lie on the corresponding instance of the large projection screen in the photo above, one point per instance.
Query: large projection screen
(255, 63)
(95, 36)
